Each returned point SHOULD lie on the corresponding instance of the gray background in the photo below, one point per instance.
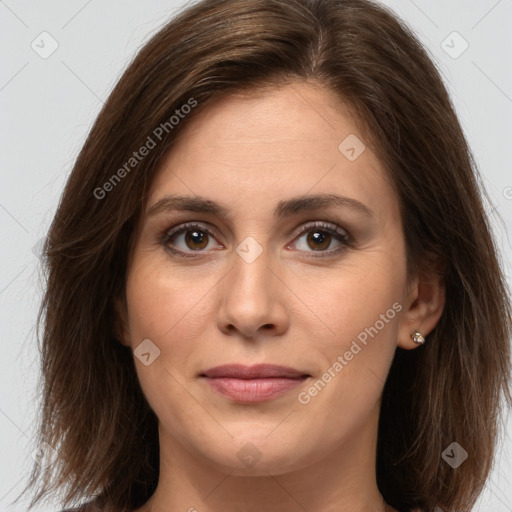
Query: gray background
(49, 104)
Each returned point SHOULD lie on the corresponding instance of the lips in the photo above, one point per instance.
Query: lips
(259, 371)
(253, 383)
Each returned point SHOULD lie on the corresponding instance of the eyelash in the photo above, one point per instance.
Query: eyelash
(332, 229)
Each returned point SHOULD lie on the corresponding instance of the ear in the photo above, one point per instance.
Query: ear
(120, 327)
(423, 307)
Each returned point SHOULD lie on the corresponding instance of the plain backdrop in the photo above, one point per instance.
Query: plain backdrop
(49, 102)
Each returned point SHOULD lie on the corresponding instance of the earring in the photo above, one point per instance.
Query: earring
(417, 337)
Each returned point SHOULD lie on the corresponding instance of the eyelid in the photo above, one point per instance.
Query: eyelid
(327, 226)
(321, 225)
(170, 232)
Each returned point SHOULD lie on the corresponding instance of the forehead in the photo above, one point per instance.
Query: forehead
(252, 149)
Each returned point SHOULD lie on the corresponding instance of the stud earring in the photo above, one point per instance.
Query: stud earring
(417, 337)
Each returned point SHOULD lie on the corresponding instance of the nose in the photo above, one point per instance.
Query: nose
(253, 298)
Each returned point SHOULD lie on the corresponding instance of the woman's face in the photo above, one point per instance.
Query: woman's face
(272, 270)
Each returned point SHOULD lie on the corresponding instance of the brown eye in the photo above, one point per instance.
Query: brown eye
(186, 239)
(189, 238)
(319, 239)
(196, 239)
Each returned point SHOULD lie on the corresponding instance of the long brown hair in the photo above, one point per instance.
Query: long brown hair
(94, 414)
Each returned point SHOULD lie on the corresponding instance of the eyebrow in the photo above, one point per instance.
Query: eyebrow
(283, 209)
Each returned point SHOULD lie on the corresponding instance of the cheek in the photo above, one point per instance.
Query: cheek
(172, 307)
(357, 295)
(359, 315)
(165, 301)
(166, 305)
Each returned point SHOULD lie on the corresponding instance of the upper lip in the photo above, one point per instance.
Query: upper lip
(258, 371)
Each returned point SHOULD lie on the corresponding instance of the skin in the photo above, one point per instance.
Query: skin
(247, 152)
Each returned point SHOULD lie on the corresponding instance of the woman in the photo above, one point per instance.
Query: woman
(271, 280)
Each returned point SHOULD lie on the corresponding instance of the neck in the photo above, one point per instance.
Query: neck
(343, 480)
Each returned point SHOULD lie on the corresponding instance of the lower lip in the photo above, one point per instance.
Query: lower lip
(253, 390)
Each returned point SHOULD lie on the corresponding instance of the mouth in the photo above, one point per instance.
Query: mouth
(252, 383)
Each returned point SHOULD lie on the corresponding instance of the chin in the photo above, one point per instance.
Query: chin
(261, 454)
(276, 462)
